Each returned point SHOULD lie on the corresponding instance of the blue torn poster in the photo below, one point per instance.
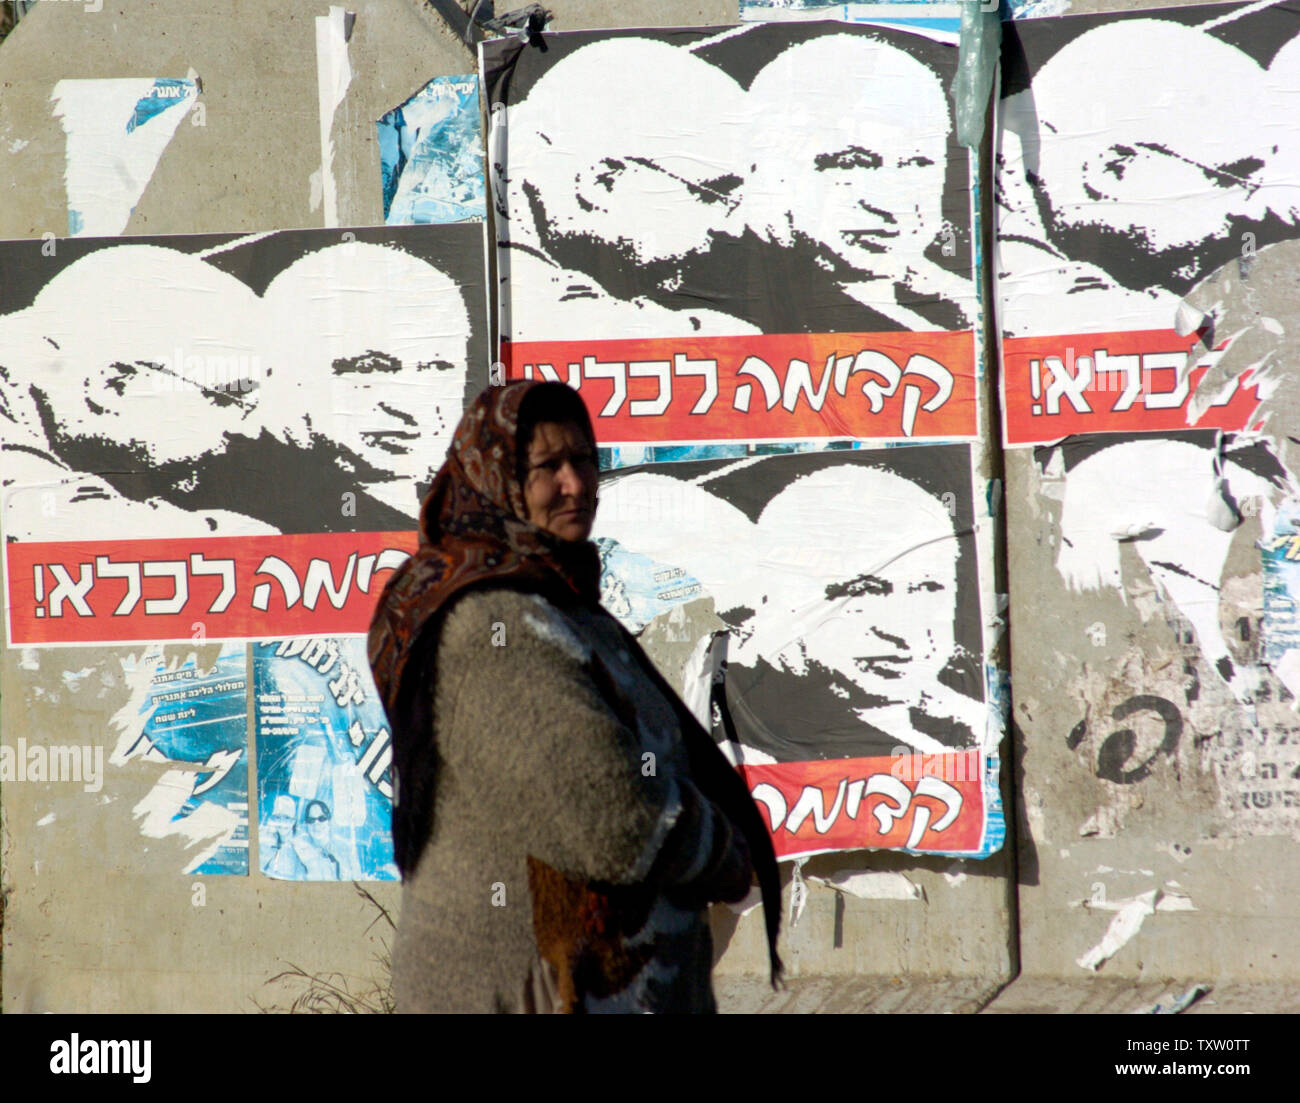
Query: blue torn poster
(942, 14)
(1280, 553)
(932, 15)
(431, 155)
(196, 717)
(117, 130)
(324, 763)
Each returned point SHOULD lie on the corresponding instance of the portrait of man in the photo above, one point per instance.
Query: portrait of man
(216, 385)
(775, 179)
(131, 367)
(611, 196)
(849, 164)
(1110, 206)
(845, 580)
(369, 364)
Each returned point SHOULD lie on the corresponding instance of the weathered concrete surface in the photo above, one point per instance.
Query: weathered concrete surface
(859, 995)
(95, 921)
(1114, 996)
(924, 933)
(99, 918)
(1227, 884)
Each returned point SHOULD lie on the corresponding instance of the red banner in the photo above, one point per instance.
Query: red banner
(839, 386)
(1054, 387)
(219, 588)
(913, 801)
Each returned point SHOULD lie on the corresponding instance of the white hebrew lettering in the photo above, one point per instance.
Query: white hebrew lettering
(658, 369)
(877, 363)
(1105, 364)
(1165, 361)
(937, 374)
(769, 796)
(72, 592)
(320, 576)
(798, 380)
(223, 567)
(106, 568)
(278, 569)
(762, 371)
(176, 568)
(616, 371)
(811, 801)
(709, 370)
(1065, 385)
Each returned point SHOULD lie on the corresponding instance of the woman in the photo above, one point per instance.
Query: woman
(560, 818)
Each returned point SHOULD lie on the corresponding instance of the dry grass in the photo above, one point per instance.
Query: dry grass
(334, 993)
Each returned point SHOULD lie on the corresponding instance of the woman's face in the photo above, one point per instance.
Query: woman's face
(560, 480)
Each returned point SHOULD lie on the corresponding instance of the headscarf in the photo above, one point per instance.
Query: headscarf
(474, 532)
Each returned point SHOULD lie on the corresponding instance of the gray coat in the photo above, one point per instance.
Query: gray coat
(554, 744)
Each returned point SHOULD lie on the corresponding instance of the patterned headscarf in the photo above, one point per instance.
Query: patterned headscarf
(474, 529)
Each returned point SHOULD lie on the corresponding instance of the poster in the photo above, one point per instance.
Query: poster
(117, 130)
(844, 585)
(759, 233)
(324, 763)
(750, 250)
(1145, 284)
(191, 718)
(431, 155)
(225, 437)
(1113, 212)
(936, 14)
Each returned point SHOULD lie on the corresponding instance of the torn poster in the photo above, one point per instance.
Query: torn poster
(226, 431)
(844, 583)
(932, 13)
(1174, 526)
(192, 716)
(117, 131)
(683, 237)
(1112, 211)
(324, 763)
(1280, 555)
(431, 155)
(935, 15)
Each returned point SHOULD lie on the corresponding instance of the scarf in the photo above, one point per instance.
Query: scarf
(474, 532)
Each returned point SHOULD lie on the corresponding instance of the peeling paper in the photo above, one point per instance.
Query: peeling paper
(798, 892)
(1122, 928)
(873, 884)
(431, 155)
(1168, 1004)
(1148, 493)
(333, 75)
(1172, 898)
(169, 720)
(117, 130)
(210, 827)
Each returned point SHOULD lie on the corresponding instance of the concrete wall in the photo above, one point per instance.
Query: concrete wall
(1222, 877)
(98, 919)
